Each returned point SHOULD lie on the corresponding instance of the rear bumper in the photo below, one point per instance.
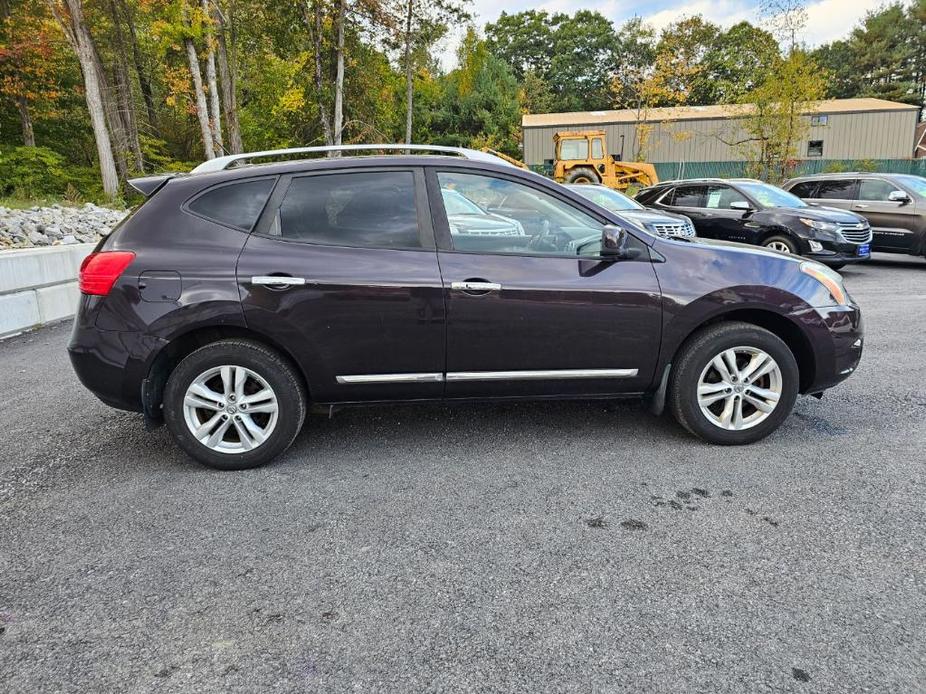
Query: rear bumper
(112, 364)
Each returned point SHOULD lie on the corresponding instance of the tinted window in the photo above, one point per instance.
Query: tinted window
(501, 216)
(875, 189)
(237, 204)
(375, 210)
(690, 196)
(843, 189)
(804, 190)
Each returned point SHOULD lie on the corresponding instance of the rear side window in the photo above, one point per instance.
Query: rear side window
(690, 196)
(803, 190)
(843, 189)
(365, 209)
(236, 205)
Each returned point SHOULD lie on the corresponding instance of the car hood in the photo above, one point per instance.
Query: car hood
(653, 217)
(740, 248)
(821, 214)
(484, 223)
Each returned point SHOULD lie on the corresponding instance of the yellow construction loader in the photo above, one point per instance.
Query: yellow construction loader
(581, 157)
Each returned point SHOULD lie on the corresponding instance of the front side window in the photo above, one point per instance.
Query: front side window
(573, 149)
(722, 197)
(690, 196)
(494, 215)
(362, 209)
(236, 205)
(842, 189)
(876, 189)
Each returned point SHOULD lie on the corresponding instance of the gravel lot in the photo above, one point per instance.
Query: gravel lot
(516, 548)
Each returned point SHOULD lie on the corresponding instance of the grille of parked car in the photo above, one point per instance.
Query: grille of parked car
(678, 229)
(855, 232)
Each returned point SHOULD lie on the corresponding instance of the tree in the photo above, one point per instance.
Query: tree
(585, 58)
(775, 117)
(523, 41)
(734, 64)
(70, 16)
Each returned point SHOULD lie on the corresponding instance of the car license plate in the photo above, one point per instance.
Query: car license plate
(864, 249)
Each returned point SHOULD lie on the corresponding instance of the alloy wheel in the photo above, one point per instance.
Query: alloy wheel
(739, 388)
(230, 409)
(779, 246)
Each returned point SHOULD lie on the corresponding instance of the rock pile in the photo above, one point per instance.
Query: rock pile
(55, 225)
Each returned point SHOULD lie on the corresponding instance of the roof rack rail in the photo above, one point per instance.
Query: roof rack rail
(222, 163)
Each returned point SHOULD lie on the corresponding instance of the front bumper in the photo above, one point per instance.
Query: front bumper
(838, 357)
(835, 252)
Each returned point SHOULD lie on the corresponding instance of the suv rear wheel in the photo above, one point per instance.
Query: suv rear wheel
(734, 383)
(234, 404)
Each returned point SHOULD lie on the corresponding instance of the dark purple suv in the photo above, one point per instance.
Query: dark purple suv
(238, 295)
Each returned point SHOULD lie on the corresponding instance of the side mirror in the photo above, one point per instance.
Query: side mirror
(898, 196)
(740, 205)
(615, 243)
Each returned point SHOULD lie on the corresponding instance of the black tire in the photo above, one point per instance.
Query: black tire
(278, 373)
(583, 174)
(698, 352)
(784, 241)
(837, 266)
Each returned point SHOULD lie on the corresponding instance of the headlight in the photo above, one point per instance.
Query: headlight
(818, 225)
(830, 279)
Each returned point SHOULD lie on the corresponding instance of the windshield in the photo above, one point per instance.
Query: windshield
(770, 196)
(915, 183)
(607, 198)
(457, 203)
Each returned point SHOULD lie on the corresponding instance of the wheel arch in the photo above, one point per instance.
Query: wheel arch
(781, 326)
(167, 358)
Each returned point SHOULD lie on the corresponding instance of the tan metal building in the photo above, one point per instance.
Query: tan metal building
(843, 129)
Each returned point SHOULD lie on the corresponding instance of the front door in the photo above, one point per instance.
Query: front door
(709, 208)
(342, 271)
(892, 222)
(532, 308)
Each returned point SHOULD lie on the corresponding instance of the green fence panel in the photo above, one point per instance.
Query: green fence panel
(732, 169)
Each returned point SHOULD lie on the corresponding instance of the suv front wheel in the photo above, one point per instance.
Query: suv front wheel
(734, 383)
(234, 404)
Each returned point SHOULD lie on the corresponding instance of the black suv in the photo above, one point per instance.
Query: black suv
(240, 294)
(750, 211)
(894, 205)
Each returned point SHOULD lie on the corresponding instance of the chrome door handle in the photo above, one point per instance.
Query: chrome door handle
(861, 207)
(277, 280)
(475, 286)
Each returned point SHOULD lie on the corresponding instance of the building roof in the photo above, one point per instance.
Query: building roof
(630, 115)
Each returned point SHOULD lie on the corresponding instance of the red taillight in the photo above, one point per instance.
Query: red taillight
(99, 271)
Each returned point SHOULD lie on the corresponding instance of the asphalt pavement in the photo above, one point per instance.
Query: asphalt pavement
(512, 548)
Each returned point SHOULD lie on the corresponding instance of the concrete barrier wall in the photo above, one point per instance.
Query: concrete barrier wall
(39, 285)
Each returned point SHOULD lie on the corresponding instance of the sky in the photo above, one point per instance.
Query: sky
(827, 19)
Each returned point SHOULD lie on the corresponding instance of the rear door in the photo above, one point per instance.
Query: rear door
(342, 272)
(893, 223)
(837, 192)
(532, 308)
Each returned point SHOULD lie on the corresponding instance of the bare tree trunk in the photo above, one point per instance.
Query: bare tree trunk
(124, 94)
(202, 111)
(117, 131)
(215, 113)
(315, 29)
(339, 76)
(25, 118)
(409, 73)
(144, 83)
(75, 28)
(228, 81)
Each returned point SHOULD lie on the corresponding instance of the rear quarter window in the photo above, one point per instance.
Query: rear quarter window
(236, 205)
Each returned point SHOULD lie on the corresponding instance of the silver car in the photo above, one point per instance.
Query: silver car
(660, 223)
